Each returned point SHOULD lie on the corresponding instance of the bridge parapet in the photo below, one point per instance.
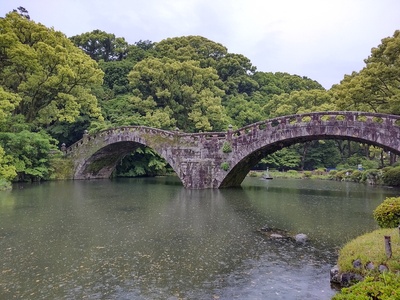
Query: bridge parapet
(318, 117)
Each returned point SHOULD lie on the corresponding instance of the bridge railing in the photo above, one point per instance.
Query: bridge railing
(117, 130)
(348, 116)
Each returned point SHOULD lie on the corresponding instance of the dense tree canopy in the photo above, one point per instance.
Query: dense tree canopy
(101, 45)
(45, 73)
(188, 93)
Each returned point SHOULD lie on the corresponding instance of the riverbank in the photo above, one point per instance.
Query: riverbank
(369, 261)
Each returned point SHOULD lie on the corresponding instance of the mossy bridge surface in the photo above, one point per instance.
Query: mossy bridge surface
(223, 159)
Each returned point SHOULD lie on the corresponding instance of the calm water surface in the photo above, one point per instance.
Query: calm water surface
(153, 239)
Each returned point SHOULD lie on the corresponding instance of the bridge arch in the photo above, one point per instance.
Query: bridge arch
(262, 138)
(202, 160)
(96, 156)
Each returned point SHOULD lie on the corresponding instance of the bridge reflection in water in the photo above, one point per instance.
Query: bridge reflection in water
(223, 159)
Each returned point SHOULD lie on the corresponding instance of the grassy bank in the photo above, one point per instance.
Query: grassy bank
(370, 248)
(370, 253)
(292, 174)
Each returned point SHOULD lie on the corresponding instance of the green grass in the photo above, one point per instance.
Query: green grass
(291, 174)
(370, 247)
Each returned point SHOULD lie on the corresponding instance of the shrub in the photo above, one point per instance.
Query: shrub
(332, 174)
(320, 171)
(356, 176)
(387, 214)
(391, 176)
(307, 174)
(225, 166)
(226, 147)
(253, 174)
(372, 176)
(294, 172)
(386, 287)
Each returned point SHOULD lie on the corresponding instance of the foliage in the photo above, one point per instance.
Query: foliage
(7, 170)
(29, 152)
(116, 76)
(191, 48)
(386, 287)
(284, 159)
(387, 214)
(299, 102)
(375, 88)
(60, 168)
(372, 176)
(356, 176)
(226, 147)
(225, 166)
(142, 162)
(44, 73)
(187, 92)
(242, 110)
(101, 45)
(392, 177)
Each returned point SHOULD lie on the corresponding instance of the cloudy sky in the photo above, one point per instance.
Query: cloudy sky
(320, 39)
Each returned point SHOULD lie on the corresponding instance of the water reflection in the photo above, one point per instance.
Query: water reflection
(153, 239)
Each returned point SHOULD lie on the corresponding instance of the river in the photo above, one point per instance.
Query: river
(149, 238)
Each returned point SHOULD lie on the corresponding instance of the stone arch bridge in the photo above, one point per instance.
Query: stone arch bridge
(223, 159)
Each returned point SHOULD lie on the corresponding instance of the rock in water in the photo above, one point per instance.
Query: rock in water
(301, 238)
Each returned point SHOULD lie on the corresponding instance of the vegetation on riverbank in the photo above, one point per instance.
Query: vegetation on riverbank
(370, 249)
(375, 256)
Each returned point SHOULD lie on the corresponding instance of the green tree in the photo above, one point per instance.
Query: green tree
(188, 93)
(284, 159)
(299, 102)
(8, 103)
(100, 45)
(186, 48)
(116, 76)
(7, 170)
(29, 152)
(243, 111)
(47, 72)
(376, 87)
(236, 71)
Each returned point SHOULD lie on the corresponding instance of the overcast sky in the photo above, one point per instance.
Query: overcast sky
(320, 39)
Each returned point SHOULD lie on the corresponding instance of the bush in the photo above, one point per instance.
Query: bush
(372, 176)
(356, 176)
(320, 171)
(387, 214)
(332, 174)
(253, 174)
(307, 174)
(391, 176)
(225, 166)
(226, 147)
(386, 287)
